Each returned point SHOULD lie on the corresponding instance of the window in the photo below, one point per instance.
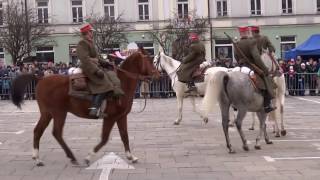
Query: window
(255, 7)
(45, 54)
(318, 6)
(286, 6)
(182, 9)
(1, 54)
(287, 43)
(223, 49)
(109, 9)
(1, 14)
(42, 11)
(148, 46)
(222, 9)
(143, 6)
(77, 15)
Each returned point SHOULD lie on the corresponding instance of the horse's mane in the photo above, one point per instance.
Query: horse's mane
(130, 60)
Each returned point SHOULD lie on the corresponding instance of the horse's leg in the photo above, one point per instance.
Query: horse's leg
(195, 109)
(225, 124)
(180, 104)
(273, 117)
(106, 129)
(253, 121)
(232, 112)
(262, 118)
(238, 122)
(42, 124)
(123, 130)
(59, 119)
(283, 131)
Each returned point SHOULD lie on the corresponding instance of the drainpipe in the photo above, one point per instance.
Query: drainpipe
(210, 27)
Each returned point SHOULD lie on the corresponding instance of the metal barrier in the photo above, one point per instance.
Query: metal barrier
(298, 84)
(301, 84)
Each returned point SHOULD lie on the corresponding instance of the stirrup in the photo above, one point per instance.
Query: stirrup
(94, 112)
(269, 109)
(191, 89)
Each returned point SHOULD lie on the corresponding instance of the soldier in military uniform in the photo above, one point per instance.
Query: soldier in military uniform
(102, 82)
(179, 48)
(247, 50)
(263, 42)
(191, 62)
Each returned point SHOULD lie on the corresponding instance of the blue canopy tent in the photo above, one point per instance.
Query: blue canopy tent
(310, 47)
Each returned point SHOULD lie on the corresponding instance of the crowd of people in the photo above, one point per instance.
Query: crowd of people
(7, 73)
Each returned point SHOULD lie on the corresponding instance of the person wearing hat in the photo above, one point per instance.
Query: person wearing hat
(102, 83)
(196, 55)
(247, 53)
(263, 42)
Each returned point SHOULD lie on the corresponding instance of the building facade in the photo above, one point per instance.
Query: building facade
(286, 22)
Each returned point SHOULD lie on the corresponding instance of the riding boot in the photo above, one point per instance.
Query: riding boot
(268, 107)
(191, 87)
(96, 103)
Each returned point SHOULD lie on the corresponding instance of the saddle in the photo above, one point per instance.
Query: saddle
(252, 76)
(199, 73)
(78, 86)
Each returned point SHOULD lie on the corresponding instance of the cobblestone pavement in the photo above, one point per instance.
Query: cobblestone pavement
(193, 150)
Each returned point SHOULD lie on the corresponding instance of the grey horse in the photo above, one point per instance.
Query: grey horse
(237, 90)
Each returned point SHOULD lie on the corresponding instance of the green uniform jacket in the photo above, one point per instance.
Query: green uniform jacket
(263, 42)
(96, 85)
(191, 62)
(249, 48)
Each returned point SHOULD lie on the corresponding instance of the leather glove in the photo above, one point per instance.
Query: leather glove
(99, 74)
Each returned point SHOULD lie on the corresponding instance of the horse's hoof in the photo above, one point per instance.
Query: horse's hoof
(231, 125)
(231, 151)
(86, 162)
(245, 147)
(134, 159)
(176, 123)
(252, 128)
(283, 132)
(269, 142)
(205, 120)
(74, 162)
(257, 147)
(277, 135)
(40, 163)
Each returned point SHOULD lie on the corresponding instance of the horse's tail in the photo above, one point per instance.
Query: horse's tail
(18, 87)
(216, 85)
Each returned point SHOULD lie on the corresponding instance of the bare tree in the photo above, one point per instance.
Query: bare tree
(176, 32)
(108, 32)
(20, 35)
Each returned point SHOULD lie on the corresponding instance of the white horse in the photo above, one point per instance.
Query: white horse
(170, 66)
(278, 101)
(236, 89)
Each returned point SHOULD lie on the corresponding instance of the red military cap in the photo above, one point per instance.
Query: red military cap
(86, 28)
(193, 36)
(243, 29)
(254, 28)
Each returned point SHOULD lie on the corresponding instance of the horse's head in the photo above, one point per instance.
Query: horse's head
(157, 61)
(141, 64)
(269, 61)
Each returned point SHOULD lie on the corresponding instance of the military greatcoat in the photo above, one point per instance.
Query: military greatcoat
(86, 53)
(248, 46)
(191, 62)
(263, 42)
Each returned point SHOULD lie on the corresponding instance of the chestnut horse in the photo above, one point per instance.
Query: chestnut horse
(54, 103)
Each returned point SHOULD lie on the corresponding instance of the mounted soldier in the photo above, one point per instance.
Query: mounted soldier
(247, 54)
(191, 62)
(265, 46)
(102, 82)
